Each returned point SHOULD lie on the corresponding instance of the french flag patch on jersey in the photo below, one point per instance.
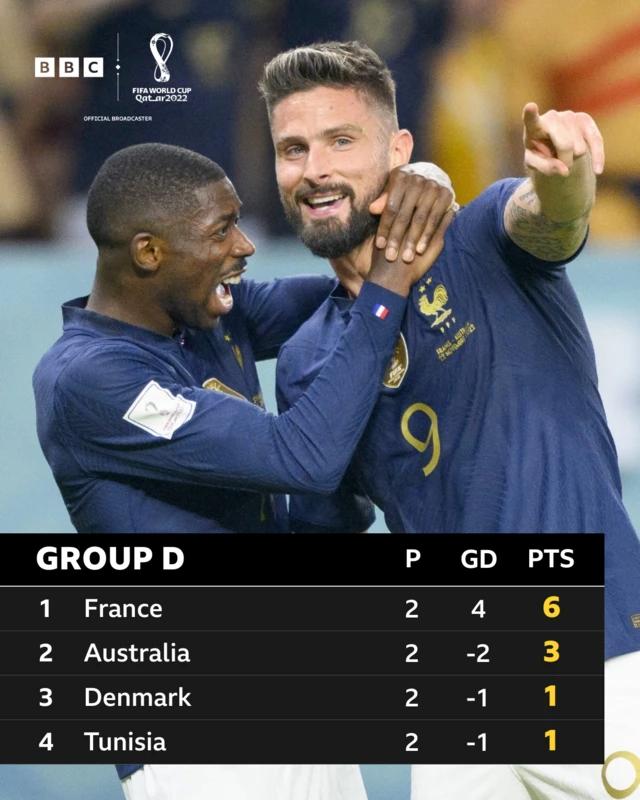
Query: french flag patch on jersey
(380, 311)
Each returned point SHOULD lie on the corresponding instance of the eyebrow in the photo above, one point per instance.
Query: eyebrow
(230, 216)
(328, 133)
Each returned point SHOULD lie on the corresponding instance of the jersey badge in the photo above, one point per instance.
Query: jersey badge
(635, 619)
(436, 306)
(158, 411)
(398, 365)
(214, 385)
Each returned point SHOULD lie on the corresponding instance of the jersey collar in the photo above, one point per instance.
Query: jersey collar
(75, 315)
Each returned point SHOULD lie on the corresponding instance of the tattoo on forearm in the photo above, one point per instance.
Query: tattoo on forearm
(530, 198)
(539, 235)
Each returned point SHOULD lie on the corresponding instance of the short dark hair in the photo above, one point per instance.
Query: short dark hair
(335, 64)
(145, 187)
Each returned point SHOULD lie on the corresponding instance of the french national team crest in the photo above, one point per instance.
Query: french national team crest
(433, 302)
(398, 366)
(436, 306)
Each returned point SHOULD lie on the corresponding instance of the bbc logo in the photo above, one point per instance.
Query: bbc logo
(69, 68)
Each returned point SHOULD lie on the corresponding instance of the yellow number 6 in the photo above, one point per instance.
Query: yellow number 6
(551, 606)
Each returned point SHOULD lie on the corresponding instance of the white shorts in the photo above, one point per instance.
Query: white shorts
(245, 782)
(618, 778)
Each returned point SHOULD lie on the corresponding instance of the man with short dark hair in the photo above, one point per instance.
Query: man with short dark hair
(489, 419)
(149, 407)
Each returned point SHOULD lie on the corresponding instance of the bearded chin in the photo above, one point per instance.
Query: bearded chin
(330, 237)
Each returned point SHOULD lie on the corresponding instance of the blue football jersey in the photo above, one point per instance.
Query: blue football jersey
(490, 418)
(150, 433)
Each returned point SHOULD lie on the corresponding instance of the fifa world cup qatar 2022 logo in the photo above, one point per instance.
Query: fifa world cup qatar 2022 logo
(161, 46)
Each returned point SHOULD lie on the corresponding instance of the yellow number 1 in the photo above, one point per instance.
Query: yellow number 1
(551, 691)
(551, 736)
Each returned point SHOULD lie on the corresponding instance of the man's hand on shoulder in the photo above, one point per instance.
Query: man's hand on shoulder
(414, 202)
(399, 276)
(548, 214)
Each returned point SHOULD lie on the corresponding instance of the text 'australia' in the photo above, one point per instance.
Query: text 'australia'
(134, 654)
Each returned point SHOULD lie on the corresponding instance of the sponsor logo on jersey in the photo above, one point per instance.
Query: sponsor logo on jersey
(398, 365)
(159, 412)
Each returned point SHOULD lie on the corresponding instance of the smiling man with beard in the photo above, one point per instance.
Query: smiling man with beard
(489, 418)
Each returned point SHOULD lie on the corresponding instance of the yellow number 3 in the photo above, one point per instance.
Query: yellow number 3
(553, 653)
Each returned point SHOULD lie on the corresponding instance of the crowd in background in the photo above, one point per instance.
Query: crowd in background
(464, 69)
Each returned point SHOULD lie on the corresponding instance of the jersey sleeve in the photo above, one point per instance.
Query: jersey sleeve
(274, 311)
(123, 411)
(348, 509)
(480, 229)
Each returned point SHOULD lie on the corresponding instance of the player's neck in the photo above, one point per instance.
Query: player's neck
(127, 307)
(353, 269)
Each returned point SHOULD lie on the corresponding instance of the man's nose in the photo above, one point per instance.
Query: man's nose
(318, 167)
(243, 247)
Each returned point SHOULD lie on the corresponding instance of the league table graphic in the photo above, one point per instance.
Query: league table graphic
(439, 649)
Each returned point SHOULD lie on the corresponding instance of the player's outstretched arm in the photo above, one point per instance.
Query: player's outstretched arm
(548, 214)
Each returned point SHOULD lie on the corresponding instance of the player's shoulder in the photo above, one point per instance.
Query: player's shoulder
(492, 200)
(479, 226)
(320, 330)
(88, 365)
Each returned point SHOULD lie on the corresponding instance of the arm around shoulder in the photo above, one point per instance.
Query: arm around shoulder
(123, 412)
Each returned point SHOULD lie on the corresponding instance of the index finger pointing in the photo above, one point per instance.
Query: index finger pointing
(531, 117)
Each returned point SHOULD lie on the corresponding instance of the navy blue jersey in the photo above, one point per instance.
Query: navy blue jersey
(490, 418)
(149, 433)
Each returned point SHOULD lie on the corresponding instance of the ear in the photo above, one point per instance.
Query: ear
(400, 149)
(147, 251)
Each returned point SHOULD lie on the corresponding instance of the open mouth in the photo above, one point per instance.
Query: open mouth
(223, 289)
(223, 293)
(324, 205)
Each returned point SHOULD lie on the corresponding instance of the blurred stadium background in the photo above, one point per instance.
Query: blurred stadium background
(464, 68)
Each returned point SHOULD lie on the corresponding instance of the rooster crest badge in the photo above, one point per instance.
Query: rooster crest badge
(436, 306)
